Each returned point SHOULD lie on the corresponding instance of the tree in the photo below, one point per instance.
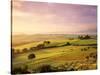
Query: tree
(84, 37)
(87, 37)
(68, 43)
(18, 51)
(32, 48)
(80, 37)
(40, 46)
(25, 50)
(46, 42)
(31, 56)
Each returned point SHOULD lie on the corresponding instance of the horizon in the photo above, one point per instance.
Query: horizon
(53, 34)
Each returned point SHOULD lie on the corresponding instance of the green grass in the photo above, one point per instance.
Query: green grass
(57, 42)
(54, 56)
(83, 42)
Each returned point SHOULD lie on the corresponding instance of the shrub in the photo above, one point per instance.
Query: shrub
(31, 56)
(92, 58)
(87, 58)
(45, 68)
(25, 50)
(80, 37)
(62, 68)
(46, 42)
(84, 37)
(32, 48)
(21, 70)
(18, 51)
(87, 37)
(68, 43)
(88, 47)
(17, 70)
(85, 49)
(81, 49)
(40, 46)
(83, 67)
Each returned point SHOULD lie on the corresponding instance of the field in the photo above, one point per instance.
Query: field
(54, 53)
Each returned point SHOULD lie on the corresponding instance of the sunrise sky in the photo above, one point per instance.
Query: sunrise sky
(53, 18)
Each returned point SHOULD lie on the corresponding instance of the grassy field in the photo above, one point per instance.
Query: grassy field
(61, 57)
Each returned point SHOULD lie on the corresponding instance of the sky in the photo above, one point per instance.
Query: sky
(30, 17)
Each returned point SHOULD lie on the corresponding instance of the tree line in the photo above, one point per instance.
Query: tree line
(38, 47)
(84, 37)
